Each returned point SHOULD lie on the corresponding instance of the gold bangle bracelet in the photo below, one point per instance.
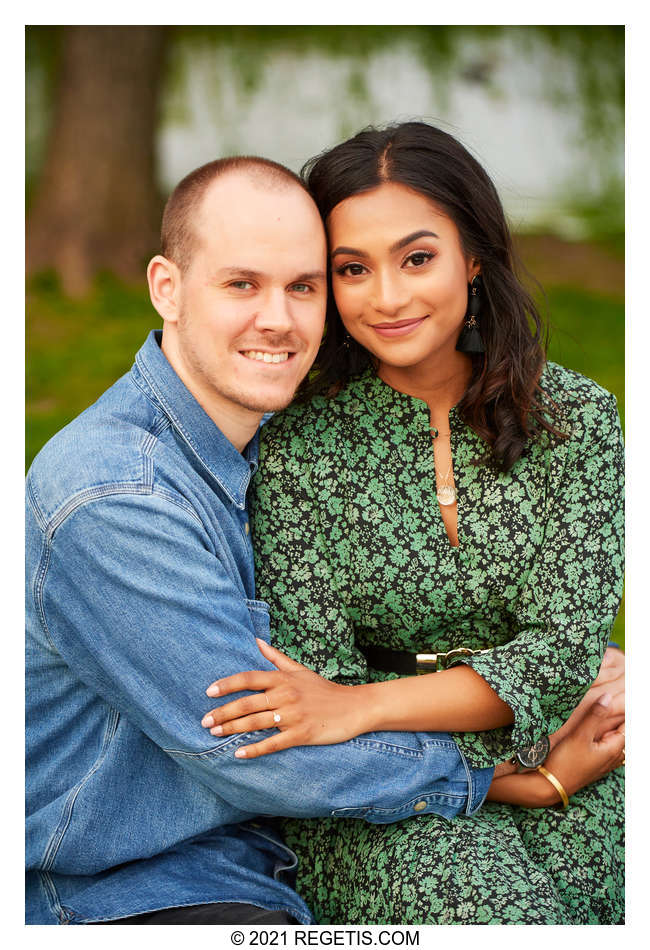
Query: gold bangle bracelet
(557, 785)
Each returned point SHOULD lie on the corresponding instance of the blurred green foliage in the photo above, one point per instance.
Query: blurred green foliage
(595, 81)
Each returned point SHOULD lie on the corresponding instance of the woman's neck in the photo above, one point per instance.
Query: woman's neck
(441, 388)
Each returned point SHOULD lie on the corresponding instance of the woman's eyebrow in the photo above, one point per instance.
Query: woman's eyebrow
(398, 245)
(355, 252)
(415, 236)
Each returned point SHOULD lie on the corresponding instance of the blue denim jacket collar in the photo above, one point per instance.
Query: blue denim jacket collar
(232, 470)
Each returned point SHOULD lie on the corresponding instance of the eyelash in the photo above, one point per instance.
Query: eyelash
(428, 255)
(303, 293)
(342, 271)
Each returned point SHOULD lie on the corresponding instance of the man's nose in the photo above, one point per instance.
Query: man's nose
(275, 313)
(389, 293)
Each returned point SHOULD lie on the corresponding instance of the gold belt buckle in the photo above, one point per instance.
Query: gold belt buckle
(434, 662)
(427, 662)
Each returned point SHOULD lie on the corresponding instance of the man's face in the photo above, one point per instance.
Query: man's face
(252, 302)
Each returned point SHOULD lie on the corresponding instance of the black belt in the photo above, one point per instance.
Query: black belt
(399, 661)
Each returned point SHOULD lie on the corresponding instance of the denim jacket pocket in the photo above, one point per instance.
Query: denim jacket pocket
(259, 612)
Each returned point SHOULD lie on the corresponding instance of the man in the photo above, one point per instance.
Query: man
(140, 593)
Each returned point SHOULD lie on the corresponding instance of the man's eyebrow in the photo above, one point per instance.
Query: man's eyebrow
(245, 273)
(240, 272)
(309, 275)
(355, 252)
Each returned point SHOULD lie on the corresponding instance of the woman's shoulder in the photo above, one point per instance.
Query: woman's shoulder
(581, 403)
(318, 424)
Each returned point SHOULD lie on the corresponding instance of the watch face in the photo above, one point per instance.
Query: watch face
(533, 756)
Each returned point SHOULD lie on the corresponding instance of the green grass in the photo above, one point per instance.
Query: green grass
(588, 335)
(76, 349)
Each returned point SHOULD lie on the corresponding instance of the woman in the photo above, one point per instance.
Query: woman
(442, 489)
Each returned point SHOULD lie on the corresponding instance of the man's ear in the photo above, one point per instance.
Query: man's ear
(164, 280)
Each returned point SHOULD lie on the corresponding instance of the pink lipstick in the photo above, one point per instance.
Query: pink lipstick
(399, 328)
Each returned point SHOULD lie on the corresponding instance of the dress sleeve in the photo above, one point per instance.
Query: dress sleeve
(568, 605)
(297, 572)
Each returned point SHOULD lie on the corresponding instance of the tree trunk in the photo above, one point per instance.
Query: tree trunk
(97, 206)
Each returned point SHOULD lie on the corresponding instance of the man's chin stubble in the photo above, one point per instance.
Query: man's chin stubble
(249, 402)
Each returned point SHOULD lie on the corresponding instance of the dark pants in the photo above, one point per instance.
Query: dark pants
(208, 914)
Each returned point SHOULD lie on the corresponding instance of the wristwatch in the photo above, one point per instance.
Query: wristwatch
(532, 756)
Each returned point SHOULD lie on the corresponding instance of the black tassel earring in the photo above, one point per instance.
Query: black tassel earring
(470, 339)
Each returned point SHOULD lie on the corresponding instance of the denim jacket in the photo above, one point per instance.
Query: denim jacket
(140, 592)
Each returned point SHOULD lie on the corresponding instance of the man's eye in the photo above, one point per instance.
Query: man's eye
(241, 284)
(418, 258)
(301, 288)
(350, 270)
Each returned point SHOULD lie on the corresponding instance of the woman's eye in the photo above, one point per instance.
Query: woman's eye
(418, 258)
(350, 270)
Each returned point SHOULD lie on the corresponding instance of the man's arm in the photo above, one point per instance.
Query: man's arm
(144, 609)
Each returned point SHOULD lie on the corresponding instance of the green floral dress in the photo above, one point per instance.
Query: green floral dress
(351, 550)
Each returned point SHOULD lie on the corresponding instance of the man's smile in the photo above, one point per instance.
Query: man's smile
(266, 356)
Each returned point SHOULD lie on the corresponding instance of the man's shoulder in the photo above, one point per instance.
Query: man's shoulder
(100, 451)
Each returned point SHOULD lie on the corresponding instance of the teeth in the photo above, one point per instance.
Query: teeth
(266, 357)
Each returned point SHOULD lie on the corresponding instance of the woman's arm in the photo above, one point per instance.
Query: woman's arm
(589, 746)
(586, 753)
(307, 709)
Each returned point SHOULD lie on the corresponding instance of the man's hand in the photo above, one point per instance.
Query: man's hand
(610, 679)
(588, 753)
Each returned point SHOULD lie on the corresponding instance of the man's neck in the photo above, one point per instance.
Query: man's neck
(237, 423)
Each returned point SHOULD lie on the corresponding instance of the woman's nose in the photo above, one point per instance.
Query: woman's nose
(389, 294)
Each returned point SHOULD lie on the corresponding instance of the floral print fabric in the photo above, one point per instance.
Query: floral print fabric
(351, 550)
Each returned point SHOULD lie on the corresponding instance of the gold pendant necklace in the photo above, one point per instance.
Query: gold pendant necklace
(446, 489)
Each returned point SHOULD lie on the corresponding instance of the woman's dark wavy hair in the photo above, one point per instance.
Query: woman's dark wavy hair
(503, 402)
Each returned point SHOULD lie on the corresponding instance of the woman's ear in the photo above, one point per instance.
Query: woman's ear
(164, 280)
(473, 268)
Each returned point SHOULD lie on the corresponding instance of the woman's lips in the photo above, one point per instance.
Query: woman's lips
(399, 328)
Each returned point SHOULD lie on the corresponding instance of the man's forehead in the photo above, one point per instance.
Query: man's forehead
(245, 191)
(242, 223)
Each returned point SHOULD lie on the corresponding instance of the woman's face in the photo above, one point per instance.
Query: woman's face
(400, 277)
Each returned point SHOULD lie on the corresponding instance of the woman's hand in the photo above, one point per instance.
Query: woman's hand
(305, 707)
(588, 753)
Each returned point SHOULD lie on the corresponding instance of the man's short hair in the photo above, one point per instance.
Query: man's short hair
(178, 234)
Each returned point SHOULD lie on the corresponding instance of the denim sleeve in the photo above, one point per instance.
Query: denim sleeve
(139, 603)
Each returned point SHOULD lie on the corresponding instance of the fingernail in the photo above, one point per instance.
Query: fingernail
(212, 691)
(207, 721)
(217, 731)
(240, 754)
(605, 699)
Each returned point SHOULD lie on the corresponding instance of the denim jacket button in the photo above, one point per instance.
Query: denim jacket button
(419, 806)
